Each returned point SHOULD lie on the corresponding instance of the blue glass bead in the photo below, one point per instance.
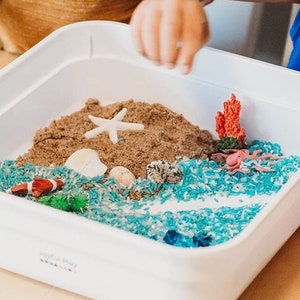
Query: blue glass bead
(171, 237)
(201, 240)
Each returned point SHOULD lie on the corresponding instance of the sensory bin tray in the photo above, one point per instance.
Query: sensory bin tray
(97, 59)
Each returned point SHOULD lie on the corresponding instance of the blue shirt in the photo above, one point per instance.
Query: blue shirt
(294, 62)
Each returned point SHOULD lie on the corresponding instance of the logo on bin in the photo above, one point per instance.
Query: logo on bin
(57, 261)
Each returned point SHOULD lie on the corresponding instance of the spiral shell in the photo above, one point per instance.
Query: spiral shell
(161, 171)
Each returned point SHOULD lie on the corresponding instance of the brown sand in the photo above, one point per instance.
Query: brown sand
(166, 136)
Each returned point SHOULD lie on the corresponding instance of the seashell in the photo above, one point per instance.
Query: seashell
(122, 175)
(86, 162)
(161, 171)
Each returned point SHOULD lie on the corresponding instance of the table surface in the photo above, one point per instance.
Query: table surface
(279, 280)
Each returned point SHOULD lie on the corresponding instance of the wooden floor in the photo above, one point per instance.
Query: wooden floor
(279, 280)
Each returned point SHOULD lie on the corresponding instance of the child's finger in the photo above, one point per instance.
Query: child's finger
(150, 35)
(136, 30)
(195, 35)
(170, 33)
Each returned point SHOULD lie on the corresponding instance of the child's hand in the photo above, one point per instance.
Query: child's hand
(170, 32)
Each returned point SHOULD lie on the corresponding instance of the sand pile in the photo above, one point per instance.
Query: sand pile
(167, 136)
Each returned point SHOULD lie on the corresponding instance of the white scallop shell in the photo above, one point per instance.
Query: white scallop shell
(86, 162)
(122, 175)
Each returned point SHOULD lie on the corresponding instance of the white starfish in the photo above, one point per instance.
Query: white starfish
(112, 126)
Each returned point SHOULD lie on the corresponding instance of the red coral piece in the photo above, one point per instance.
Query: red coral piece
(220, 125)
(228, 123)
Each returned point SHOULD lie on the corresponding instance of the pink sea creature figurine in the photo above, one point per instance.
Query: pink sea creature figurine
(240, 160)
(38, 187)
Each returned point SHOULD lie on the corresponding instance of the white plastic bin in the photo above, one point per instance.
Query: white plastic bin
(97, 59)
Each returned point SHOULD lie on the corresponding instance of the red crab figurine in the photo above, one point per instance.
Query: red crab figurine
(235, 160)
(38, 187)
